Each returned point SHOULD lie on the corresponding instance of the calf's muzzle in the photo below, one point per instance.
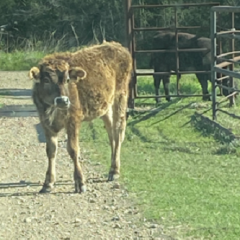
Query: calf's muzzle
(62, 102)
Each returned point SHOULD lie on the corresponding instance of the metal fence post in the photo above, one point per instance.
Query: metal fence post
(231, 67)
(177, 53)
(129, 39)
(213, 62)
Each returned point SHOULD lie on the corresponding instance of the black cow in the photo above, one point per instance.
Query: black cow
(197, 61)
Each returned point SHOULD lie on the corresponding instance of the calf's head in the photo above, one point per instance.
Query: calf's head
(53, 79)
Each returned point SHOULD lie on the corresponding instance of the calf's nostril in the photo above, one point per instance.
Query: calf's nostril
(61, 101)
(66, 100)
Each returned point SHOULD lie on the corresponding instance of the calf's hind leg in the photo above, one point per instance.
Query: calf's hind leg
(51, 150)
(108, 122)
(118, 131)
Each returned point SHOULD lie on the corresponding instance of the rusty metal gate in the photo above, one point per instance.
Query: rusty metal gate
(217, 68)
(131, 44)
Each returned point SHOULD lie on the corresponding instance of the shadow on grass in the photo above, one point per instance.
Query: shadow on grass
(175, 148)
(151, 113)
(207, 127)
(172, 114)
(229, 114)
(225, 150)
(136, 132)
(180, 149)
(142, 116)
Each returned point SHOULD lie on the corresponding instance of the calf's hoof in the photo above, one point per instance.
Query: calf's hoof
(46, 189)
(79, 187)
(113, 176)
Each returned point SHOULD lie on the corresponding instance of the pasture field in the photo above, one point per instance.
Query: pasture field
(183, 173)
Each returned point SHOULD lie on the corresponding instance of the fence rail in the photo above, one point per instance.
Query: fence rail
(173, 50)
(172, 73)
(231, 9)
(174, 5)
(165, 28)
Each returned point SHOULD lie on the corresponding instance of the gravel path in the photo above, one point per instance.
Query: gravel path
(105, 211)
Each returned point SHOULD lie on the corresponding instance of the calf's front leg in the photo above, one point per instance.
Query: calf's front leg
(51, 150)
(73, 150)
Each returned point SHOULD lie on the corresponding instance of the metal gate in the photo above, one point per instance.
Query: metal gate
(217, 68)
(131, 44)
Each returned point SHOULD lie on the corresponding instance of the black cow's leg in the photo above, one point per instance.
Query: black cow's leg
(73, 150)
(220, 88)
(202, 78)
(166, 81)
(220, 82)
(51, 150)
(157, 81)
(225, 92)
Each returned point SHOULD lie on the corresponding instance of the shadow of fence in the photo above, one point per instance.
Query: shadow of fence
(208, 127)
(30, 186)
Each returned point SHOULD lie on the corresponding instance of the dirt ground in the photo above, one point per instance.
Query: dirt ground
(105, 211)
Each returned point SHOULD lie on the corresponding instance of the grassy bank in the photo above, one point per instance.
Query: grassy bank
(182, 177)
(24, 60)
(19, 60)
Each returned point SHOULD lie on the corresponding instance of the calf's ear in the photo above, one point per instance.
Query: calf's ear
(77, 73)
(34, 73)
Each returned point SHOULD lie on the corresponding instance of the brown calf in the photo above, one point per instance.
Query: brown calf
(73, 87)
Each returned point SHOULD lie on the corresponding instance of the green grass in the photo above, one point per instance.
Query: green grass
(19, 60)
(188, 85)
(24, 60)
(181, 173)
